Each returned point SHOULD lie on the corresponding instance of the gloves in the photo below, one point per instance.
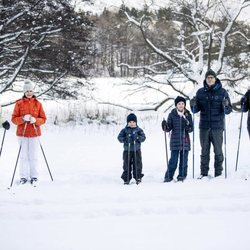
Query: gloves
(164, 125)
(133, 136)
(27, 117)
(32, 120)
(193, 103)
(6, 125)
(243, 100)
(225, 102)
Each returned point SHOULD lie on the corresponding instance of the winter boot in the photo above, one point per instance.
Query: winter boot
(33, 181)
(168, 179)
(202, 176)
(23, 181)
(180, 178)
(138, 181)
(217, 173)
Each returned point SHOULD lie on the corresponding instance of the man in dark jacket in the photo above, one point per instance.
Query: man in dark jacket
(245, 106)
(213, 103)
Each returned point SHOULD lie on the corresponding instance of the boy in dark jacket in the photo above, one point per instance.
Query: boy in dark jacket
(245, 106)
(132, 136)
(180, 123)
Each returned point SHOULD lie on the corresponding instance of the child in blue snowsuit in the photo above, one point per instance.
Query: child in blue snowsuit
(132, 136)
(180, 124)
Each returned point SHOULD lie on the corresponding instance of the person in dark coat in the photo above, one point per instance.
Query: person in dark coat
(132, 136)
(213, 103)
(245, 106)
(180, 124)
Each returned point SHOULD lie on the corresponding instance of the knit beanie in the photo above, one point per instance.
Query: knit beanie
(179, 99)
(28, 86)
(210, 72)
(131, 117)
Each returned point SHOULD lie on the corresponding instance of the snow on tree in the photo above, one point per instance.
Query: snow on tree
(208, 35)
(43, 41)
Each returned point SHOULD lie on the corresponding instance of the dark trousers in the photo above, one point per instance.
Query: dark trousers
(172, 165)
(208, 137)
(248, 129)
(132, 160)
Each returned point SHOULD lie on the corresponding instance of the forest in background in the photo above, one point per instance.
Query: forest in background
(49, 41)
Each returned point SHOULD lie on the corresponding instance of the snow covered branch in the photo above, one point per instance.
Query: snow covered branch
(16, 72)
(205, 38)
(146, 67)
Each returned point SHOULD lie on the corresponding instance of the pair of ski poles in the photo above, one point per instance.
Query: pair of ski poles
(239, 139)
(183, 148)
(19, 151)
(238, 148)
(134, 162)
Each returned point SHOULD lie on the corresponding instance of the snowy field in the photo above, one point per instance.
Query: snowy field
(88, 207)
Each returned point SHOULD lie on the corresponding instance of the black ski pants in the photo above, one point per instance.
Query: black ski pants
(132, 160)
(208, 137)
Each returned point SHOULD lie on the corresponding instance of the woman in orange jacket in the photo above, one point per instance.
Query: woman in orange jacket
(28, 115)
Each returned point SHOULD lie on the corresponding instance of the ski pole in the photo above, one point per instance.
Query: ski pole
(181, 147)
(183, 154)
(19, 151)
(225, 144)
(238, 150)
(128, 162)
(184, 136)
(166, 145)
(193, 144)
(2, 142)
(135, 163)
(43, 152)
(193, 111)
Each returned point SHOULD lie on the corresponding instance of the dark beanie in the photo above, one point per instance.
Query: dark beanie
(179, 99)
(210, 73)
(131, 117)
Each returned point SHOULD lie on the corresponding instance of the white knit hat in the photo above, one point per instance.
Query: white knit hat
(28, 86)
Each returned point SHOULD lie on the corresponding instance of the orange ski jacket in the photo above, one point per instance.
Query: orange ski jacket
(30, 106)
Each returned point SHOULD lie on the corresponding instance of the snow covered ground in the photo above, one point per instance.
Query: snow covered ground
(88, 207)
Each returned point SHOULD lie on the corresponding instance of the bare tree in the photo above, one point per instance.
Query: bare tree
(31, 35)
(209, 36)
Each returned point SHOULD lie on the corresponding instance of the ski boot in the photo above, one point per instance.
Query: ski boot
(138, 181)
(23, 181)
(33, 181)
